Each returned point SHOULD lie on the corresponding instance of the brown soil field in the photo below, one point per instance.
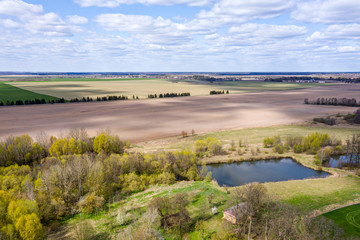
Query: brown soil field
(142, 120)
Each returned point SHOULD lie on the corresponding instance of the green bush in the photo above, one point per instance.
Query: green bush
(211, 146)
(271, 141)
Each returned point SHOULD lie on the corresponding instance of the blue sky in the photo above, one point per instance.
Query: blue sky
(179, 35)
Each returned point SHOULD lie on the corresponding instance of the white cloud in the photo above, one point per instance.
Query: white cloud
(328, 11)
(268, 31)
(34, 20)
(116, 3)
(19, 8)
(147, 29)
(8, 23)
(347, 49)
(258, 34)
(337, 32)
(79, 20)
(230, 11)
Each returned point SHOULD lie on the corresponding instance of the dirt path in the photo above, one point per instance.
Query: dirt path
(152, 119)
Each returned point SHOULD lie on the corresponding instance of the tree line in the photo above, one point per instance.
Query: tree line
(214, 92)
(32, 101)
(169, 95)
(99, 99)
(62, 100)
(350, 102)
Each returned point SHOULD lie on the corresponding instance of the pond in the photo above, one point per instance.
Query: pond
(337, 161)
(236, 174)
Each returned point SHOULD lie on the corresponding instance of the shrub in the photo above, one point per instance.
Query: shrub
(279, 148)
(90, 203)
(271, 141)
(210, 146)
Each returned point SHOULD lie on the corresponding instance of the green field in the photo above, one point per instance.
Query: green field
(12, 93)
(348, 218)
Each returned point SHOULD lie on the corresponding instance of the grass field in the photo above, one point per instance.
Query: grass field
(93, 87)
(253, 135)
(348, 218)
(12, 93)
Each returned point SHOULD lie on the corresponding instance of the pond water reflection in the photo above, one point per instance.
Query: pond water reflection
(236, 174)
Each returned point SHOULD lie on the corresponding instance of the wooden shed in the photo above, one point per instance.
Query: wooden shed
(232, 214)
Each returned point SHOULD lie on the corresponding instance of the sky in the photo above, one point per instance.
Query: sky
(180, 35)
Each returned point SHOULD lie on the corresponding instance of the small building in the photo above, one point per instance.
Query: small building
(214, 210)
(234, 213)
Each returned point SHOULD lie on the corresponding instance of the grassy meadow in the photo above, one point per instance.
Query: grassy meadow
(348, 218)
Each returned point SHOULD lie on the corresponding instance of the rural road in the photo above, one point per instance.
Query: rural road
(142, 120)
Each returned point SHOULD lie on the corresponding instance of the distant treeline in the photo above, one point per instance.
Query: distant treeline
(308, 78)
(213, 92)
(347, 80)
(293, 78)
(350, 102)
(168, 95)
(62, 100)
(99, 99)
(33, 101)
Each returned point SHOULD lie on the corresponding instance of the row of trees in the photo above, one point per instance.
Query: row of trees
(99, 99)
(169, 95)
(350, 102)
(310, 144)
(214, 92)
(62, 100)
(32, 101)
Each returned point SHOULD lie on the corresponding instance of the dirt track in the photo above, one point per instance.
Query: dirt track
(151, 119)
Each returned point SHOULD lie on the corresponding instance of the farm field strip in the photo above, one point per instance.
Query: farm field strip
(143, 120)
(78, 88)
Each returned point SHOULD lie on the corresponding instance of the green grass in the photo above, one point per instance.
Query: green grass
(347, 218)
(12, 93)
(317, 194)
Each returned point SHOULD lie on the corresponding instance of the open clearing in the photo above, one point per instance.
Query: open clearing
(78, 88)
(158, 118)
(348, 218)
(12, 93)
